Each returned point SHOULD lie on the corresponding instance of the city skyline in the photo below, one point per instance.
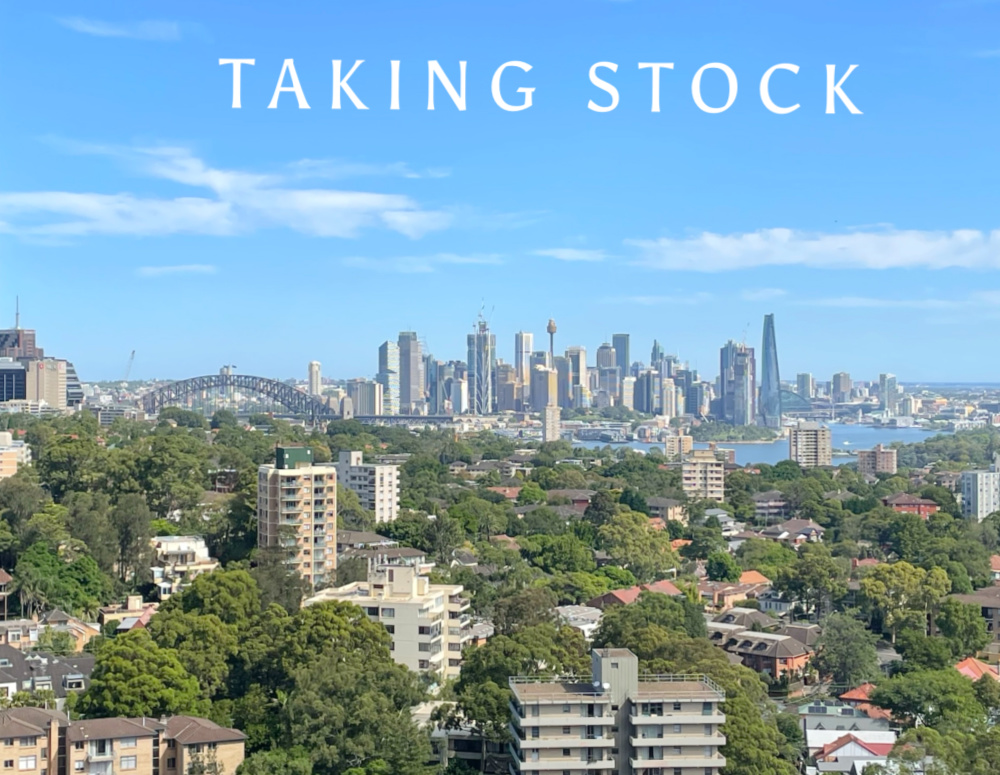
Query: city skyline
(139, 211)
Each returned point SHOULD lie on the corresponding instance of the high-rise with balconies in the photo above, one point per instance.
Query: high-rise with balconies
(375, 484)
(297, 511)
(618, 723)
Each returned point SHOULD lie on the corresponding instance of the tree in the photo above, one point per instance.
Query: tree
(624, 625)
(531, 492)
(963, 626)
(278, 582)
(931, 697)
(232, 595)
(846, 651)
(633, 545)
(902, 593)
(486, 708)
(276, 762)
(131, 521)
(202, 643)
(722, 567)
(88, 520)
(133, 676)
(816, 578)
(765, 556)
(525, 608)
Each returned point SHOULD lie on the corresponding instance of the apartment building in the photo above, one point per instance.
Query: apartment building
(428, 623)
(297, 510)
(14, 455)
(810, 445)
(876, 461)
(980, 493)
(703, 475)
(179, 560)
(46, 742)
(375, 484)
(619, 723)
(677, 445)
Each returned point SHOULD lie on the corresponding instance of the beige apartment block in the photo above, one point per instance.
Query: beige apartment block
(809, 445)
(38, 741)
(375, 484)
(703, 475)
(297, 510)
(876, 461)
(618, 723)
(13, 455)
(428, 623)
(677, 445)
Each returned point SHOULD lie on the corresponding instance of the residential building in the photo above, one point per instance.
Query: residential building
(544, 388)
(628, 392)
(315, 378)
(768, 653)
(617, 723)
(48, 742)
(428, 623)
(769, 506)
(366, 397)
(411, 373)
(551, 424)
(810, 445)
(582, 617)
(80, 631)
(630, 595)
(981, 493)
(361, 539)
(19, 633)
(703, 475)
(770, 379)
(375, 484)
(677, 445)
(668, 397)
(132, 609)
(388, 376)
(888, 394)
(36, 671)
(666, 508)
(876, 461)
(297, 511)
(179, 560)
(738, 384)
(13, 455)
(795, 532)
(904, 503)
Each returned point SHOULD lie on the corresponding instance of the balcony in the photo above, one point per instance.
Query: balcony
(106, 755)
(685, 760)
(677, 717)
(669, 740)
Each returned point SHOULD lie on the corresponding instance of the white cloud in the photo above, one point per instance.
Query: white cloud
(572, 254)
(890, 249)
(144, 30)
(976, 300)
(162, 271)
(337, 169)
(420, 264)
(763, 294)
(238, 202)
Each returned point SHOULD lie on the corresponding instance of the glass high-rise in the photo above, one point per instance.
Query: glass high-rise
(770, 380)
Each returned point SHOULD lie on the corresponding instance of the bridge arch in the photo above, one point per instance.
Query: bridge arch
(293, 399)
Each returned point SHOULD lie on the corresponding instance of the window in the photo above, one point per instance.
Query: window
(534, 732)
(171, 743)
(8, 764)
(390, 628)
(709, 751)
(708, 730)
(423, 664)
(677, 729)
(565, 708)
(565, 751)
(566, 730)
(677, 771)
(388, 613)
(677, 706)
(28, 741)
(171, 764)
(27, 763)
(706, 709)
(677, 750)
(709, 771)
(126, 742)
(78, 765)
(78, 745)
(128, 763)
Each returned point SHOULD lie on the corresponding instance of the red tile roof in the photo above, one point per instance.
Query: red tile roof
(754, 577)
(860, 694)
(878, 749)
(975, 669)
(995, 563)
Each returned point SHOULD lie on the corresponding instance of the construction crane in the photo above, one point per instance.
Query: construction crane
(128, 366)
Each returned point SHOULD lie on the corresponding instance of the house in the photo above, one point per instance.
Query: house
(904, 503)
(747, 618)
(723, 595)
(766, 652)
(79, 630)
(38, 671)
(838, 716)
(754, 577)
(859, 698)
(179, 560)
(584, 618)
(795, 532)
(19, 633)
(393, 555)
(974, 669)
(773, 602)
(730, 527)
(987, 600)
(769, 506)
(666, 508)
(361, 539)
(852, 752)
(995, 568)
(510, 493)
(133, 608)
(630, 595)
(457, 468)
(806, 634)
(578, 499)
(818, 740)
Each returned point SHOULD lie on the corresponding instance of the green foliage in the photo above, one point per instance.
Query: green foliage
(624, 625)
(846, 651)
(944, 699)
(722, 567)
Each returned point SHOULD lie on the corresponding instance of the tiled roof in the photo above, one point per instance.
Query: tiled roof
(189, 730)
(753, 577)
(859, 694)
(975, 669)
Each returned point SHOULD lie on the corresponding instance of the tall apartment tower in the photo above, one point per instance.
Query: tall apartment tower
(805, 386)
(703, 475)
(981, 491)
(840, 387)
(770, 380)
(621, 344)
(388, 376)
(809, 445)
(544, 388)
(524, 344)
(375, 484)
(880, 460)
(738, 383)
(297, 511)
(315, 378)
(577, 357)
(482, 362)
(366, 397)
(618, 723)
(411, 373)
(888, 394)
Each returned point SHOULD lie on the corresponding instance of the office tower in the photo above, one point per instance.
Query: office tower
(578, 363)
(696, 399)
(544, 388)
(606, 356)
(645, 393)
(610, 381)
(45, 381)
(656, 355)
(375, 484)
(388, 376)
(770, 380)
(315, 378)
(540, 358)
(840, 387)
(411, 373)
(19, 342)
(744, 387)
(888, 394)
(366, 397)
(809, 445)
(622, 355)
(551, 330)
(524, 343)
(668, 397)
(805, 386)
(703, 475)
(618, 722)
(443, 386)
(876, 461)
(432, 371)
(13, 380)
(981, 493)
(564, 382)
(482, 361)
(428, 624)
(628, 392)
(297, 511)
(460, 395)
(727, 356)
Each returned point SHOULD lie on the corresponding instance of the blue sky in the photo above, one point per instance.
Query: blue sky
(138, 210)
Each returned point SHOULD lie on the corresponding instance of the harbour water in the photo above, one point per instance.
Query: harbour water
(844, 438)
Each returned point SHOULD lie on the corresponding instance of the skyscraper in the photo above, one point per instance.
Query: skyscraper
(888, 393)
(578, 362)
(388, 376)
(620, 343)
(744, 386)
(411, 373)
(366, 397)
(524, 343)
(564, 382)
(770, 380)
(606, 356)
(482, 360)
(315, 378)
(805, 386)
(840, 387)
(656, 354)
